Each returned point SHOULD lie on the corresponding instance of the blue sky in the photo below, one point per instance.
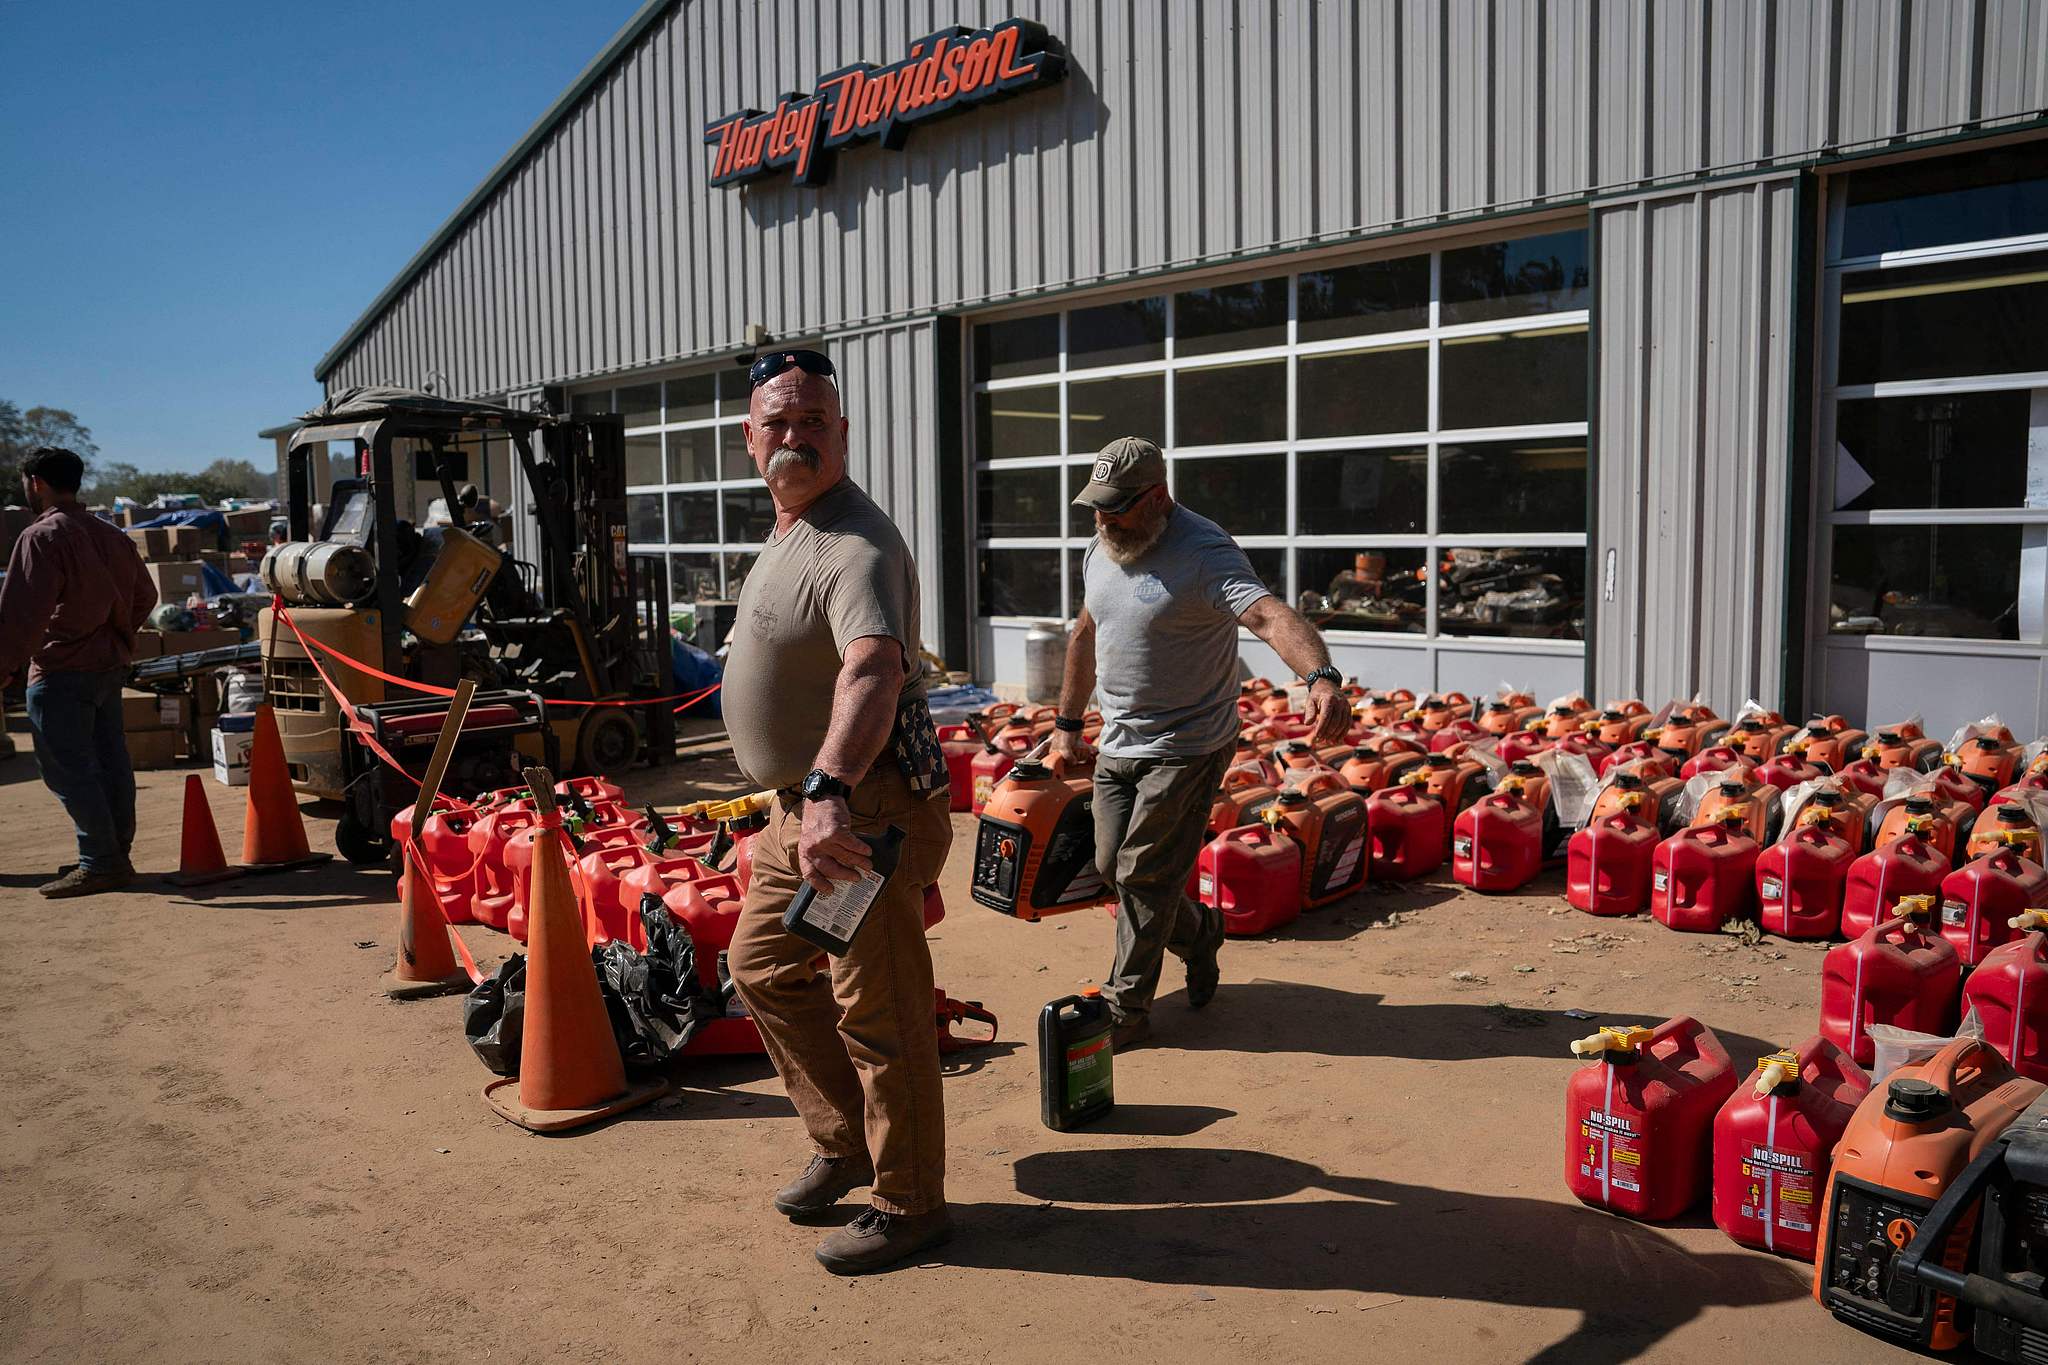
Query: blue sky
(197, 199)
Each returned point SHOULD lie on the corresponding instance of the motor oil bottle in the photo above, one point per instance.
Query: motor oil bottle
(1004, 748)
(1639, 1118)
(1787, 771)
(2008, 825)
(1252, 874)
(1243, 792)
(1901, 972)
(1759, 735)
(1981, 899)
(1076, 1062)
(2009, 992)
(1827, 741)
(1607, 864)
(1908, 1141)
(1329, 821)
(1934, 823)
(1406, 826)
(1704, 876)
(1754, 806)
(1773, 1143)
(1800, 881)
(1883, 877)
(1715, 758)
(1034, 851)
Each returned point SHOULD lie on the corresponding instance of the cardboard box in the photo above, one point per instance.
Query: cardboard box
(149, 644)
(190, 641)
(175, 580)
(153, 543)
(231, 757)
(149, 749)
(188, 541)
(142, 710)
(249, 523)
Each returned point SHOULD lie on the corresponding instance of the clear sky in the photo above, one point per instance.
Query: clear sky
(197, 199)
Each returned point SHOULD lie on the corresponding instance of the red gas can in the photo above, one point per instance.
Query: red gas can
(1459, 731)
(1774, 1140)
(1901, 973)
(1715, 758)
(1253, 875)
(1497, 843)
(1607, 865)
(1634, 752)
(1523, 744)
(1703, 877)
(1800, 881)
(589, 789)
(1406, 825)
(488, 839)
(1980, 899)
(1639, 1120)
(1003, 749)
(656, 877)
(960, 743)
(600, 868)
(1329, 821)
(2009, 991)
(445, 846)
(1878, 880)
(1787, 771)
(710, 910)
(1863, 775)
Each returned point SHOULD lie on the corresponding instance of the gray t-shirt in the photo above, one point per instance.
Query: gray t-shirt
(840, 573)
(1166, 639)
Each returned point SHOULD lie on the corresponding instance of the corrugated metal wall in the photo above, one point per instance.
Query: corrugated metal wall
(1694, 383)
(1189, 131)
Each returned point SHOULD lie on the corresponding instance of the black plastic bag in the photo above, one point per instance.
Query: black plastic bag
(494, 1016)
(655, 1000)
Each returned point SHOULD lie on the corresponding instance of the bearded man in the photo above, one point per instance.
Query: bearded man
(1166, 590)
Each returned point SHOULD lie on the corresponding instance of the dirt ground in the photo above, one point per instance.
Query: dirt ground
(223, 1142)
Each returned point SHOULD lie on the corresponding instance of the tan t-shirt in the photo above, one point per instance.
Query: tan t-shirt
(840, 573)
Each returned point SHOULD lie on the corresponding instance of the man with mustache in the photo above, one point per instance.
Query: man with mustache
(1166, 590)
(824, 700)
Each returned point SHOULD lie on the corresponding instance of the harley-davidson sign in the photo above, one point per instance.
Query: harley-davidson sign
(945, 73)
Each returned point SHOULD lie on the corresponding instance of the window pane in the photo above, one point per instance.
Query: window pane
(737, 565)
(1363, 393)
(1346, 589)
(1244, 494)
(1960, 582)
(1269, 562)
(1019, 346)
(1977, 198)
(692, 397)
(1960, 317)
(1230, 317)
(749, 515)
(1018, 422)
(1502, 381)
(1020, 502)
(1117, 333)
(1958, 450)
(600, 401)
(1231, 403)
(643, 519)
(1357, 300)
(692, 578)
(693, 518)
(1020, 583)
(1343, 492)
(1080, 520)
(1511, 486)
(640, 405)
(733, 460)
(693, 455)
(1534, 593)
(1101, 410)
(1547, 274)
(643, 459)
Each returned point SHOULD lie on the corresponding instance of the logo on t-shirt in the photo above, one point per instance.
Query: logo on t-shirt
(1148, 589)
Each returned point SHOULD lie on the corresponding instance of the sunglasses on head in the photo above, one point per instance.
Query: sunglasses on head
(768, 366)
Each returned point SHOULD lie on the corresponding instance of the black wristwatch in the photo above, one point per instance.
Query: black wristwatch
(1072, 725)
(818, 784)
(1328, 671)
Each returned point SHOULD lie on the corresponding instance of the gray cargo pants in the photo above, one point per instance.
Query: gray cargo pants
(1151, 818)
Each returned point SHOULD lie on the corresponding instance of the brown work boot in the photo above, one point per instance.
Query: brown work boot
(1131, 1033)
(79, 882)
(877, 1240)
(826, 1181)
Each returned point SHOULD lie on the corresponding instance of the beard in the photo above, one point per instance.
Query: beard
(789, 459)
(1128, 544)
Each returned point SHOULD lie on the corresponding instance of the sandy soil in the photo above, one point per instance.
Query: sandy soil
(222, 1142)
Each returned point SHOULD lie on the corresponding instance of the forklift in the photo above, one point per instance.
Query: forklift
(437, 604)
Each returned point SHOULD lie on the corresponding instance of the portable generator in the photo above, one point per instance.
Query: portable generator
(1034, 852)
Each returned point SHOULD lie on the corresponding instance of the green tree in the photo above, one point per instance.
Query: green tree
(21, 432)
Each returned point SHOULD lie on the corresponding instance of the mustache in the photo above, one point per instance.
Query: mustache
(788, 457)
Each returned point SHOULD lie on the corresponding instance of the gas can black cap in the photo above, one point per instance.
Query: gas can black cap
(1028, 770)
(1438, 761)
(1496, 706)
(1734, 787)
(1627, 781)
(1886, 738)
(1522, 767)
(1827, 796)
(1912, 1100)
(1293, 796)
(1612, 715)
(1985, 742)
(2010, 814)
(1919, 805)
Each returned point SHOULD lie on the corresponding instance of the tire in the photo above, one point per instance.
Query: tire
(352, 839)
(607, 742)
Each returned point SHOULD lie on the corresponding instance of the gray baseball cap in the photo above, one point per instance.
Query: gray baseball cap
(1123, 471)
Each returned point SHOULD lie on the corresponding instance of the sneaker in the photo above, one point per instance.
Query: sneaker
(824, 1182)
(79, 882)
(1130, 1033)
(1203, 973)
(876, 1240)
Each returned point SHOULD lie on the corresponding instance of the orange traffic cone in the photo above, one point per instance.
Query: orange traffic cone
(570, 1072)
(426, 961)
(200, 859)
(273, 835)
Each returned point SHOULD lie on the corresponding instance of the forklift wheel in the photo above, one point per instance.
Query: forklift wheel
(607, 742)
(353, 841)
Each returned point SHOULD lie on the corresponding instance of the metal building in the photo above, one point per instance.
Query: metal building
(1644, 346)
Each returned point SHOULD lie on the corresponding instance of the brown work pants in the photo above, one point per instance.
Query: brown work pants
(855, 1038)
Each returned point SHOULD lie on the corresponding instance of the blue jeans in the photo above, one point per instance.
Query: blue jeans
(82, 749)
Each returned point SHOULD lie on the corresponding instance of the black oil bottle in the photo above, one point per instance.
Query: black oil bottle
(1075, 1060)
(831, 920)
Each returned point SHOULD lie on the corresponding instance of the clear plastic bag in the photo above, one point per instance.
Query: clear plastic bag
(1573, 786)
(1897, 1047)
(1981, 726)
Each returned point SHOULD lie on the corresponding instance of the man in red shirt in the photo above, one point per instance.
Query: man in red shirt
(74, 595)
